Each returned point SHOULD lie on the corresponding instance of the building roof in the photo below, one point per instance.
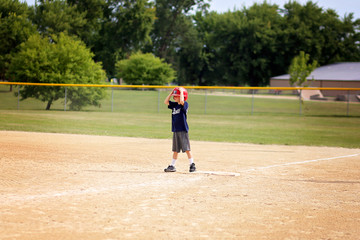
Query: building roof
(345, 71)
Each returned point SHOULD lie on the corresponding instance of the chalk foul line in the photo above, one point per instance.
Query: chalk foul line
(236, 174)
(93, 190)
(302, 162)
(219, 173)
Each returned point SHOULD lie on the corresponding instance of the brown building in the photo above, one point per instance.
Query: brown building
(338, 75)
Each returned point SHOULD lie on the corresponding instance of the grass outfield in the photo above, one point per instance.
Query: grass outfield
(227, 119)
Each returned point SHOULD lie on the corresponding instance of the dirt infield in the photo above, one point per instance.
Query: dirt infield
(61, 186)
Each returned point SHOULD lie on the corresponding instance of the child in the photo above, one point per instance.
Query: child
(180, 127)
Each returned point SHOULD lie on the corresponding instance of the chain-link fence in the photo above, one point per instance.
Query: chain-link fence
(203, 100)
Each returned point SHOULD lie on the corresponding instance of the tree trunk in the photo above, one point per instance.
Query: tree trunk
(49, 104)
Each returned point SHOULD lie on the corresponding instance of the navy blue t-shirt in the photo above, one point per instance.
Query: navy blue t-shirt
(179, 115)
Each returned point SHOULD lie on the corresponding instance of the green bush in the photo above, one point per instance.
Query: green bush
(144, 69)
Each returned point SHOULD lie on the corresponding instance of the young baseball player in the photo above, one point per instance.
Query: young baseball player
(180, 127)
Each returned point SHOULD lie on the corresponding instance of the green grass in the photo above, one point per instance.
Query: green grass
(227, 119)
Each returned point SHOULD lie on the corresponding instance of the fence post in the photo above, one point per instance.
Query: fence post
(18, 103)
(65, 99)
(300, 103)
(112, 97)
(348, 103)
(205, 99)
(252, 102)
(159, 100)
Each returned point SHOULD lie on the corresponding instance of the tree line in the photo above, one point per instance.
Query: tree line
(237, 48)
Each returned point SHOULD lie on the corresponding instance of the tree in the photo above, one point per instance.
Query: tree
(191, 58)
(93, 13)
(125, 29)
(303, 25)
(321, 33)
(241, 47)
(55, 16)
(256, 56)
(169, 25)
(341, 39)
(300, 69)
(144, 69)
(15, 28)
(61, 60)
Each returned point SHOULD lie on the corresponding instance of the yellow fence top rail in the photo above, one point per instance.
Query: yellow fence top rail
(170, 87)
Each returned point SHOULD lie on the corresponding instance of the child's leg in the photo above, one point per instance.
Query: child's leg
(191, 160)
(171, 167)
(174, 158)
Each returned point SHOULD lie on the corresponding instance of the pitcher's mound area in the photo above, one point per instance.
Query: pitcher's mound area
(62, 186)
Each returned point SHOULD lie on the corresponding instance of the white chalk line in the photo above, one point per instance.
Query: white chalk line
(302, 162)
(10, 198)
(93, 190)
(236, 174)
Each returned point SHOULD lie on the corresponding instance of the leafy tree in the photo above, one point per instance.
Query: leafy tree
(260, 45)
(213, 31)
(321, 33)
(61, 60)
(125, 29)
(56, 16)
(303, 26)
(241, 47)
(145, 69)
(15, 28)
(300, 69)
(191, 58)
(169, 25)
(93, 13)
(247, 47)
(341, 39)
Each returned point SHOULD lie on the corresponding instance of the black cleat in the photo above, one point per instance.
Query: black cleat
(192, 168)
(170, 168)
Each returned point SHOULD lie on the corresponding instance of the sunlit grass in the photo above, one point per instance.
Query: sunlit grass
(227, 119)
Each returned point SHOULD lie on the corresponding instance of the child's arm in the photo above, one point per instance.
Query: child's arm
(182, 101)
(167, 99)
